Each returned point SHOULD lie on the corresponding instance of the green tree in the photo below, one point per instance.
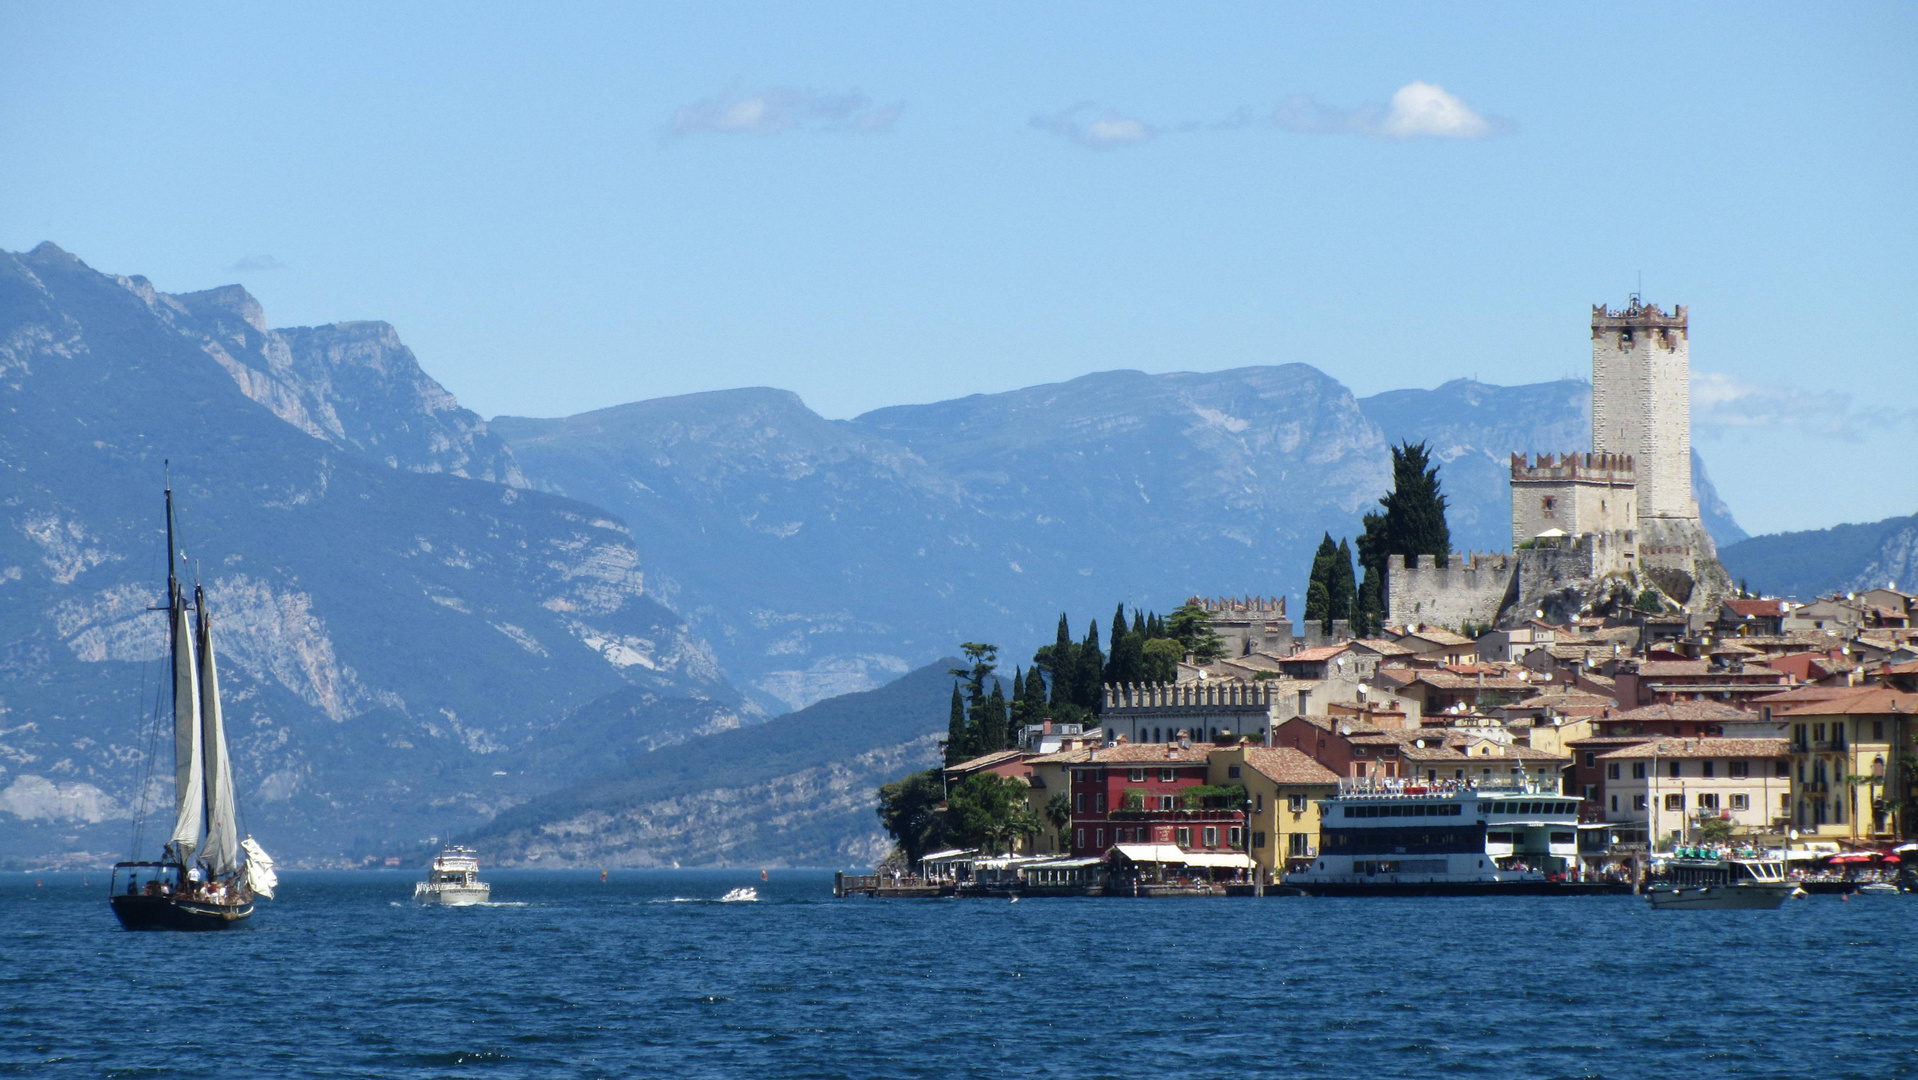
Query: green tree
(993, 733)
(1059, 815)
(980, 812)
(909, 810)
(958, 731)
(1368, 608)
(980, 729)
(1318, 587)
(1034, 697)
(1191, 625)
(1161, 659)
(1343, 587)
(1059, 661)
(1648, 602)
(1415, 507)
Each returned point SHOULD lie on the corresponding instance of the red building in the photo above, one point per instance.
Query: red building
(1134, 793)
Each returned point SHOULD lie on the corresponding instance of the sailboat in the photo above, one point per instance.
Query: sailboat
(207, 877)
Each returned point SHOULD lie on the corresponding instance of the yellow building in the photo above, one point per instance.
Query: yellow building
(1848, 747)
(1283, 787)
(1050, 778)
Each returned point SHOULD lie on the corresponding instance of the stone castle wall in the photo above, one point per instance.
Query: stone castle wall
(1574, 493)
(1468, 589)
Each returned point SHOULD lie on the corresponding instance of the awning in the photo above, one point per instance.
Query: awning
(1851, 858)
(1230, 860)
(1063, 864)
(1152, 853)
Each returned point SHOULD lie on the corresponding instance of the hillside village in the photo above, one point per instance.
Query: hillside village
(1608, 663)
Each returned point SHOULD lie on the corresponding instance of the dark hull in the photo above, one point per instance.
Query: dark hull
(1464, 888)
(169, 913)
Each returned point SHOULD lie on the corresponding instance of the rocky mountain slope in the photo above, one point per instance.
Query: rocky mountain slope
(795, 791)
(397, 631)
(1819, 562)
(822, 557)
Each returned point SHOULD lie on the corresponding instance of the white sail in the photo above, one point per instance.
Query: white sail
(222, 851)
(189, 800)
(259, 869)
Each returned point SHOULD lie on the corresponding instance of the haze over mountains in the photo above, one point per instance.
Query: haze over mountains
(427, 619)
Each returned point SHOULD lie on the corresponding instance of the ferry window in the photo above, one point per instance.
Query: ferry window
(1611, 771)
(1741, 801)
(1705, 769)
(1674, 801)
(1738, 770)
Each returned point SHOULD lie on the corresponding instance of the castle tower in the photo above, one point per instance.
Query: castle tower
(1642, 404)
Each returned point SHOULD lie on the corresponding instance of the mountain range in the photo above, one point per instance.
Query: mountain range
(1820, 562)
(428, 619)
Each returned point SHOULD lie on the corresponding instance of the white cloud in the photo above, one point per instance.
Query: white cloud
(780, 109)
(1721, 403)
(1418, 110)
(255, 264)
(1105, 131)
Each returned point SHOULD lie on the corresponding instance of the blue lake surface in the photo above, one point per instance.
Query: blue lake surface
(643, 975)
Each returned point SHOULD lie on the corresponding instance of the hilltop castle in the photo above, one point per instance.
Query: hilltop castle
(1592, 528)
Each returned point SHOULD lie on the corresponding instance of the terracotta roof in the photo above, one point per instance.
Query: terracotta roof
(1318, 652)
(1755, 609)
(986, 761)
(1284, 765)
(1149, 754)
(1452, 680)
(1062, 757)
(1866, 700)
(1381, 646)
(1653, 668)
(1684, 710)
(1703, 748)
(1438, 636)
(1592, 741)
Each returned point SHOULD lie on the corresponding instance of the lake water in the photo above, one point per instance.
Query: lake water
(643, 975)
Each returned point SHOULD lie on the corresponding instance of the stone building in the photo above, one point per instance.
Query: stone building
(1574, 494)
(1249, 624)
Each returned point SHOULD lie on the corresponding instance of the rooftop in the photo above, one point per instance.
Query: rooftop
(1701, 748)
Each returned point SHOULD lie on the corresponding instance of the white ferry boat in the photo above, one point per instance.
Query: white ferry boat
(1396, 837)
(1717, 878)
(454, 880)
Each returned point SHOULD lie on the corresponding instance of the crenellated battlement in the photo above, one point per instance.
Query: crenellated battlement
(1615, 469)
(1269, 607)
(1638, 315)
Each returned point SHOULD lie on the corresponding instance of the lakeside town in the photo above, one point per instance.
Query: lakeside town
(1603, 699)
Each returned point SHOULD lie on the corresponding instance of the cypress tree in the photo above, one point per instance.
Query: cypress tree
(1064, 669)
(1035, 697)
(1368, 609)
(1090, 671)
(1415, 508)
(1318, 587)
(1343, 587)
(1016, 703)
(1118, 625)
(1139, 627)
(992, 723)
(958, 732)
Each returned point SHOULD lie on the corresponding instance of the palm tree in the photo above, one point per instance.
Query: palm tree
(1059, 813)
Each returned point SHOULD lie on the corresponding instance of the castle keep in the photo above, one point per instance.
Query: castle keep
(1584, 519)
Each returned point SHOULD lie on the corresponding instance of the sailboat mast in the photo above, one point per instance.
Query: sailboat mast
(188, 769)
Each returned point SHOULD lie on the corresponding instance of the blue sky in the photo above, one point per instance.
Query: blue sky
(565, 207)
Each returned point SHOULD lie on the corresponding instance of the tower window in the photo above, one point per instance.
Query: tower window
(1549, 504)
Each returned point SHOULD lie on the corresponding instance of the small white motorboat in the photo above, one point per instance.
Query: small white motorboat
(740, 896)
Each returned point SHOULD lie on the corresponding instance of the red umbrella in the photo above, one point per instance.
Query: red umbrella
(1893, 858)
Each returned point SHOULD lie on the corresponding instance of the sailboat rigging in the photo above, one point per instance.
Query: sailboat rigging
(207, 877)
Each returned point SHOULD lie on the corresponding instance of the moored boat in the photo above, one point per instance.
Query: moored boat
(1719, 879)
(207, 877)
(1392, 837)
(453, 880)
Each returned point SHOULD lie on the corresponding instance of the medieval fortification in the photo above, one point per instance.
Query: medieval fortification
(1591, 530)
